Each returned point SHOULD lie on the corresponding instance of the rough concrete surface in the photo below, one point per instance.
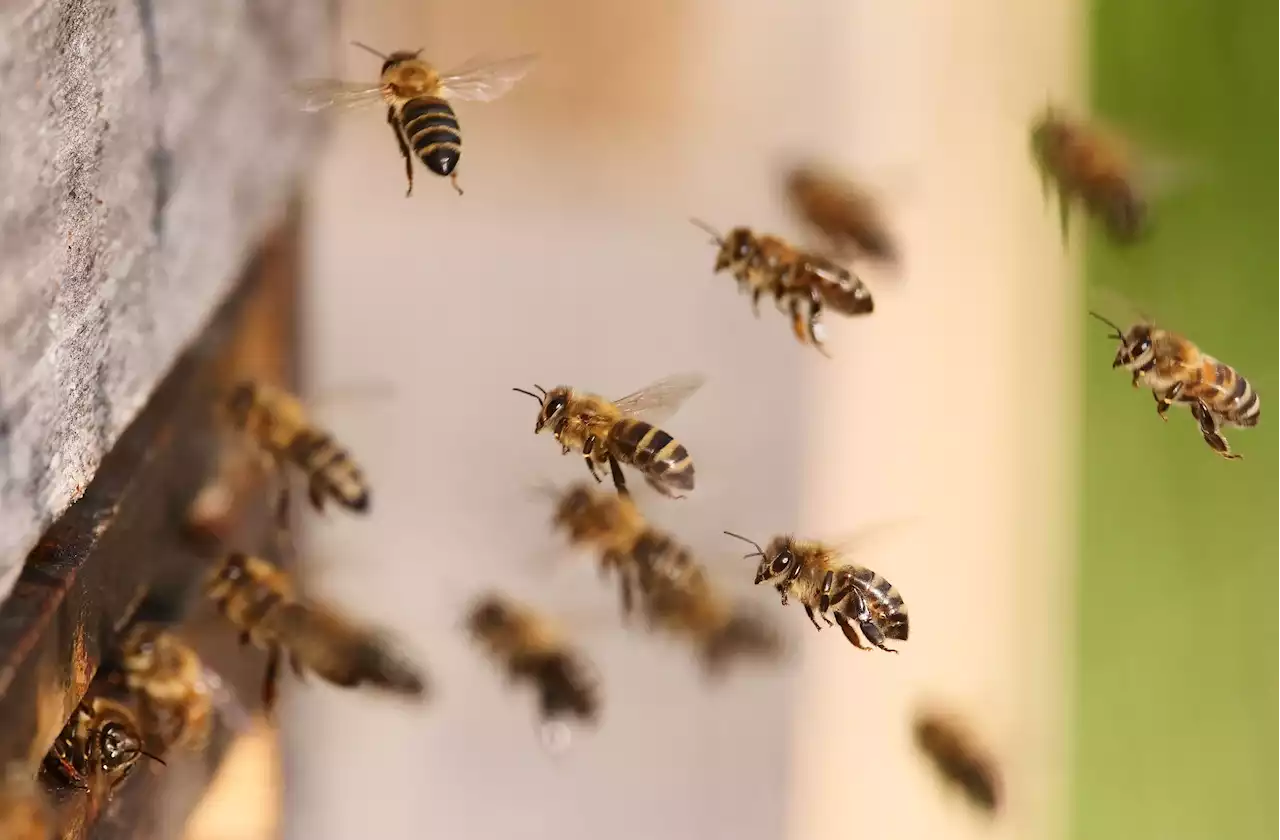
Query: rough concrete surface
(145, 145)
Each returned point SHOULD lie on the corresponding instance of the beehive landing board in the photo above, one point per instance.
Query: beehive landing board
(145, 146)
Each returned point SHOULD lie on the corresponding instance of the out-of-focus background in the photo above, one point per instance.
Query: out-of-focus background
(1091, 590)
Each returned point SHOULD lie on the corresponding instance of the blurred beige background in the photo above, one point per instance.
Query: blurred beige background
(570, 259)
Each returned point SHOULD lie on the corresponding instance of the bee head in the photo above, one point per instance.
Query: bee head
(776, 560)
(553, 408)
(398, 58)
(489, 615)
(1135, 349)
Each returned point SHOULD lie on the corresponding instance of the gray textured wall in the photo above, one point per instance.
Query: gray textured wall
(144, 146)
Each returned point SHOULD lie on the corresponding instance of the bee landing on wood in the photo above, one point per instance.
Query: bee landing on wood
(99, 747)
(816, 575)
(417, 98)
(805, 282)
(175, 691)
(622, 431)
(1177, 372)
(259, 599)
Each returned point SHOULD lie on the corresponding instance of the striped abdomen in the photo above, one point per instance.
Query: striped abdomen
(247, 600)
(883, 600)
(331, 472)
(652, 451)
(839, 288)
(1227, 393)
(431, 128)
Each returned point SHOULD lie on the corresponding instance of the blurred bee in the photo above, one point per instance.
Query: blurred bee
(959, 760)
(174, 689)
(815, 574)
(24, 809)
(1091, 166)
(847, 215)
(278, 424)
(533, 649)
(607, 522)
(416, 95)
(805, 281)
(623, 431)
(1177, 371)
(101, 742)
(259, 599)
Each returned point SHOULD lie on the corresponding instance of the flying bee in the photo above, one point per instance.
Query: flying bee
(417, 98)
(259, 599)
(174, 689)
(532, 649)
(622, 431)
(1087, 164)
(278, 424)
(958, 758)
(1177, 371)
(846, 214)
(819, 579)
(24, 808)
(101, 742)
(608, 522)
(806, 282)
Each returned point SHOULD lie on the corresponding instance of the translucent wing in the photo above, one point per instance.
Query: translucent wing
(859, 540)
(322, 94)
(659, 401)
(481, 81)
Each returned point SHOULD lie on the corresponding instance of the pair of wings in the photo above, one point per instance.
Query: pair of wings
(476, 81)
(659, 400)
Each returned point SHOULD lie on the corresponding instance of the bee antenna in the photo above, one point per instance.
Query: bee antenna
(368, 48)
(1119, 332)
(753, 543)
(157, 759)
(531, 393)
(715, 235)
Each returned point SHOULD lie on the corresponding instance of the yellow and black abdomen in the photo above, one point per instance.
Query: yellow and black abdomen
(330, 471)
(652, 451)
(431, 128)
(1230, 395)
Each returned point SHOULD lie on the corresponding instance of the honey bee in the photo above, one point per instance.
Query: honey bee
(101, 742)
(417, 98)
(534, 650)
(259, 599)
(174, 689)
(24, 809)
(1088, 164)
(622, 431)
(847, 215)
(805, 281)
(814, 574)
(608, 522)
(1177, 371)
(954, 753)
(278, 424)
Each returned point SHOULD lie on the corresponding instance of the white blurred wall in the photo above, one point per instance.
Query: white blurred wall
(570, 259)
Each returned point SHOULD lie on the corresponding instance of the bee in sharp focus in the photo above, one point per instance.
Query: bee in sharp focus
(172, 685)
(278, 424)
(24, 808)
(1085, 163)
(259, 599)
(622, 431)
(806, 282)
(417, 98)
(534, 650)
(959, 759)
(102, 741)
(1178, 372)
(816, 575)
(846, 214)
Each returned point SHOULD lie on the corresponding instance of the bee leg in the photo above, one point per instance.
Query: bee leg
(873, 634)
(782, 590)
(316, 494)
(1163, 403)
(453, 179)
(404, 149)
(808, 610)
(271, 679)
(814, 324)
(828, 581)
(755, 300)
(628, 595)
(850, 632)
(1209, 428)
(284, 501)
(662, 488)
(619, 480)
(797, 321)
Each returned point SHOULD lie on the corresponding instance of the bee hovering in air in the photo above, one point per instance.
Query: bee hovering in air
(806, 282)
(1177, 371)
(417, 98)
(819, 579)
(102, 741)
(1085, 163)
(959, 759)
(532, 649)
(608, 522)
(275, 421)
(259, 599)
(622, 431)
(845, 213)
(24, 808)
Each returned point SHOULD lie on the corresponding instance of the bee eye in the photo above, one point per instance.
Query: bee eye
(554, 406)
(781, 562)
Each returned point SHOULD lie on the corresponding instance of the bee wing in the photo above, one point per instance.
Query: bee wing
(324, 94)
(234, 713)
(484, 81)
(860, 539)
(662, 399)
